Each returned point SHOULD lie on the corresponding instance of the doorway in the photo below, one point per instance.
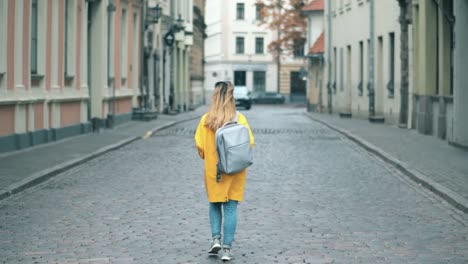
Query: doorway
(298, 87)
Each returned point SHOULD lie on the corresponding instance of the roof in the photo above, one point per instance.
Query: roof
(319, 45)
(315, 5)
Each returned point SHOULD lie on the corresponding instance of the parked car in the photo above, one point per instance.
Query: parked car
(267, 98)
(242, 97)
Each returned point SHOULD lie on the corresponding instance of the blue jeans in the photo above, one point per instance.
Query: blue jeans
(230, 221)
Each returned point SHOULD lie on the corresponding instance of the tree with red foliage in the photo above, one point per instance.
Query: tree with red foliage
(286, 18)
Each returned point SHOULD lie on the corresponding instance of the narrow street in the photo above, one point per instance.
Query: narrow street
(312, 196)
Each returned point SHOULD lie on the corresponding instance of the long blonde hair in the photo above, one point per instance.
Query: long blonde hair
(223, 106)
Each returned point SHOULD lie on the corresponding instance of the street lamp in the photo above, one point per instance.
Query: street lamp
(179, 25)
(152, 15)
(169, 39)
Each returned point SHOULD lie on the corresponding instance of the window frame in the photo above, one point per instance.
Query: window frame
(256, 77)
(258, 46)
(69, 39)
(240, 11)
(124, 43)
(361, 68)
(34, 37)
(238, 39)
(244, 77)
(299, 49)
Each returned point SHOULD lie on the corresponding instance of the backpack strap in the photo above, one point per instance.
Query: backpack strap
(233, 121)
(236, 117)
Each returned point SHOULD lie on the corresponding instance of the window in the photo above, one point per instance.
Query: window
(3, 34)
(335, 69)
(240, 45)
(298, 48)
(341, 70)
(257, 12)
(259, 45)
(239, 78)
(34, 42)
(124, 41)
(69, 37)
(240, 11)
(348, 69)
(391, 61)
(368, 66)
(111, 45)
(259, 81)
(361, 67)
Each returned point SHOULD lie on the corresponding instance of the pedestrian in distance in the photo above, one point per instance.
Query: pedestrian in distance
(225, 193)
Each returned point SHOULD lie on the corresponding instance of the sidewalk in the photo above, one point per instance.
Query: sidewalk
(25, 168)
(429, 161)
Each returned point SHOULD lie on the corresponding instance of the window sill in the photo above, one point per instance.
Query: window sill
(37, 77)
(69, 77)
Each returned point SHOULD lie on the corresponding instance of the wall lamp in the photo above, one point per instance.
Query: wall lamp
(152, 15)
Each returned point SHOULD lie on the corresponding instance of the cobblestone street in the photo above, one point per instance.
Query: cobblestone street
(312, 196)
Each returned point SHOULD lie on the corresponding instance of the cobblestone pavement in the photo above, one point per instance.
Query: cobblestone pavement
(311, 197)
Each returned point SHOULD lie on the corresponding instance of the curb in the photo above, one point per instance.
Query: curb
(46, 174)
(448, 195)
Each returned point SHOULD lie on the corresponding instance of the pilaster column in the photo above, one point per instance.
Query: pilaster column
(460, 95)
(187, 86)
(181, 82)
(427, 68)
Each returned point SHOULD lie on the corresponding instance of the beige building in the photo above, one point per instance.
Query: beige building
(197, 65)
(355, 64)
(67, 67)
(438, 105)
(363, 65)
(315, 54)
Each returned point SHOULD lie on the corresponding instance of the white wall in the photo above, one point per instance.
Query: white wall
(350, 25)
(220, 44)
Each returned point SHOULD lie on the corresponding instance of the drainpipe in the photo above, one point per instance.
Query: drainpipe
(329, 88)
(144, 102)
(320, 103)
(371, 61)
(110, 10)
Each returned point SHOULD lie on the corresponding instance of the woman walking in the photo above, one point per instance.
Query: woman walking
(223, 196)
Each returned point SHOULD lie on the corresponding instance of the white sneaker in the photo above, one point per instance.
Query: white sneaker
(215, 246)
(227, 256)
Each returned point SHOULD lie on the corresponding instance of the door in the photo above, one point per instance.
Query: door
(240, 78)
(259, 81)
(298, 88)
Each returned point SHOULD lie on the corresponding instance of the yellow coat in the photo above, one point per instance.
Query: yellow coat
(231, 187)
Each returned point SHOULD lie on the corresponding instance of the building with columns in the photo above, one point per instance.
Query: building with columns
(363, 66)
(197, 63)
(69, 67)
(438, 105)
(167, 49)
(180, 87)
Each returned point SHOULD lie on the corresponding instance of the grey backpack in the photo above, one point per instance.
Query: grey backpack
(233, 147)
